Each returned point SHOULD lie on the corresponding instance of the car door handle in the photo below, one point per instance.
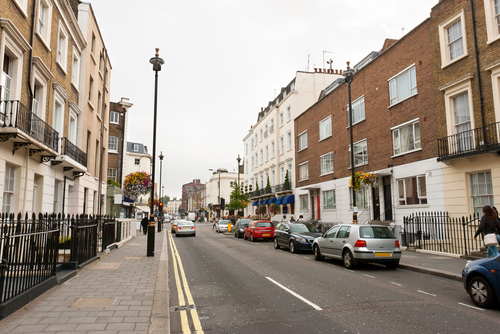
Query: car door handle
(343, 241)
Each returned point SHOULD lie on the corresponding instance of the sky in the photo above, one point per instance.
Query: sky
(224, 60)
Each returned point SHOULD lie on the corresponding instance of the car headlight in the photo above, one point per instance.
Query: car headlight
(301, 239)
(467, 264)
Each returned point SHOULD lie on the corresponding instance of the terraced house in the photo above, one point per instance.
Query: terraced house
(51, 127)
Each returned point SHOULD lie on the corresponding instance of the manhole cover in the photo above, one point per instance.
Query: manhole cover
(106, 265)
(184, 308)
(132, 258)
(91, 302)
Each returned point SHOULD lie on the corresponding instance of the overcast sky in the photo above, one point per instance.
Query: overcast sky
(224, 60)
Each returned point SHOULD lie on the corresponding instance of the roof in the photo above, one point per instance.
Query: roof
(141, 150)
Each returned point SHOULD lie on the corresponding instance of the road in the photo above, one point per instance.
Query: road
(237, 286)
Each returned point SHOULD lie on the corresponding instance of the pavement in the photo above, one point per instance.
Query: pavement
(127, 292)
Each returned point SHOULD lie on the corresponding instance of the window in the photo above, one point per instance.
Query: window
(325, 128)
(73, 126)
(452, 39)
(289, 140)
(360, 153)
(481, 189)
(492, 12)
(136, 147)
(113, 144)
(99, 103)
(361, 198)
(114, 117)
(304, 171)
(92, 44)
(272, 149)
(329, 201)
(271, 126)
(75, 70)
(288, 113)
(282, 173)
(62, 47)
(358, 114)
(8, 190)
(112, 174)
(253, 163)
(137, 162)
(403, 85)
(303, 141)
(412, 191)
(261, 135)
(281, 119)
(326, 163)
(282, 146)
(304, 202)
(267, 153)
(406, 138)
(252, 146)
(289, 170)
(261, 156)
(256, 142)
(256, 159)
(273, 178)
(44, 21)
(246, 149)
(91, 87)
(265, 131)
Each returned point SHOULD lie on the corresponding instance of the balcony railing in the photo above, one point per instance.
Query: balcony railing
(14, 114)
(469, 142)
(270, 191)
(72, 151)
(284, 187)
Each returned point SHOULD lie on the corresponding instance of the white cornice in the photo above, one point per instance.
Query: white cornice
(42, 68)
(72, 23)
(59, 89)
(11, 29)
(456, 82)
(74, 106)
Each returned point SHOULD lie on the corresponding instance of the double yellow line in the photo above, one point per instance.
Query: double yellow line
(182, 285)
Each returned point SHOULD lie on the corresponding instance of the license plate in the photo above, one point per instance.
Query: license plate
(382, 254)
(186, 228)
(266, 235)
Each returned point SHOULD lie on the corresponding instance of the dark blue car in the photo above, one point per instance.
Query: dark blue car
(295, 236)
(481, 281)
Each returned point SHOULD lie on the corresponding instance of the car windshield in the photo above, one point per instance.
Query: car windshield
(185, 223)
(245, 222)
(298, 228)
(376, 232)
(312, 228)
(264, 224)
(223, 222)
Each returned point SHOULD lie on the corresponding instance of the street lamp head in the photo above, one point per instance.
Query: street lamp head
(157, 61)
(238, 159)
(161, 156)
(348, 74)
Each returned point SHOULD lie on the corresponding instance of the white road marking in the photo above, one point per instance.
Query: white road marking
(316, 307)
(368, 276)
(305, 257)
(430, 294)
(477, 308)
(397, 284)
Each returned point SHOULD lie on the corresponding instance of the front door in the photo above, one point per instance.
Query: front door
(387, 198)
(376, 203)
(313, 212)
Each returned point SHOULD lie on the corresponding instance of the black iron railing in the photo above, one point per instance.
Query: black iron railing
(14, 114)
(437, 231)
(72, 151)
(284, 187)
(469, 142)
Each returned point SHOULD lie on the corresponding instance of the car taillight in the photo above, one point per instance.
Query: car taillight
(397, 244)
(360, 243)
(178, 228)
(192, 228)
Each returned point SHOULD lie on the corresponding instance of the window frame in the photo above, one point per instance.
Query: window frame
(62, 47)
(323, 172)
(45, 19)
(288, 113)
(112, 176)
(302, 145)
(281, 145)
(112, 144)
(9, 189)
(273, 152)
(360, 100)
(492, 21)
(303, 177)
(418, 190)
(443, 39)
(136, 147)
(114, 115)
(365, 162)
(397, 129)
(289, 143)
(452, 91)
(320, 125)
(75, 70)
(393, 100)
(304, 202)
(281, 119)
(472, 196)
(334, 200)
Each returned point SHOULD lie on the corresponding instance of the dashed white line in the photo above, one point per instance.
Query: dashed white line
(430, 294)
(368, 276)
(397, 284)
(477, 308)
(316, 307)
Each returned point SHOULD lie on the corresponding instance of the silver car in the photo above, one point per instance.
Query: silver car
(355, 243)
(222, 226)
(185, 227)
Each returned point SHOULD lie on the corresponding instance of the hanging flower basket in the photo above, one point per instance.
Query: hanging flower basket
(363, 179)
(136, 184)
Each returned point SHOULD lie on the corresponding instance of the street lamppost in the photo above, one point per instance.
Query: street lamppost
(160, 217)
(156, 61)
(239, 186)
(218, 186)
(349, 74)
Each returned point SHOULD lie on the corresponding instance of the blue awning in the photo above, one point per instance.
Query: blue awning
(128, 200)
(263, 202)
(289, 199)
(280, 200)
(272, 200)
(255, 203)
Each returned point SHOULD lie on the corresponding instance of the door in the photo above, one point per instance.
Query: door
(313, 211)
(284, 232)
(326, 243)
(339, 241)
(386, 180)
(376, 203)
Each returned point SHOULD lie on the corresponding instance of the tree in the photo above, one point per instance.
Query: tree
(256, 185)
(268, 185)
(238, 200)
(165, 199)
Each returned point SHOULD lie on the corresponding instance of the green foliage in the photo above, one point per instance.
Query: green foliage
(250, 187)
(113, 182)
(287, 178)
(165, 199)
(268, 185)
(238, 200)
(256, 185)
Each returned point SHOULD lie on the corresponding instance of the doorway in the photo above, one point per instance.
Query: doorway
(376, 203)
(386, 180)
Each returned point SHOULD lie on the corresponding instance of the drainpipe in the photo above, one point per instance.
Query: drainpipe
(103, 117)
(478, 69)
(30, 67)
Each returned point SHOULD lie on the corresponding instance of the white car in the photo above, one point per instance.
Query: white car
(221, 226)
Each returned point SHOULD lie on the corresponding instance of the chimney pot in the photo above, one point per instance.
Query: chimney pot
(315, 69)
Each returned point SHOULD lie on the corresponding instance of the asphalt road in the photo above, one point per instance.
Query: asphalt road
(237, 286)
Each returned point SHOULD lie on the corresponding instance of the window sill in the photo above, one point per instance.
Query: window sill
(302, 149)
(360, 121)
(329, 173)
(75, 87)
(114, 123)
(363, 164)
(395, 104)
(112, 151)
(91, 105)
(408, 152)
(61, 67)
(493, 40)
(43, 41)
(329, 136)
(454, 60)
(304, 180)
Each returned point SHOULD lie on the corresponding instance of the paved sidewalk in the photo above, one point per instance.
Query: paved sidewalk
(113, 295)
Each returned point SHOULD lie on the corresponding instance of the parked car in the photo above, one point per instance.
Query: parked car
(259, 229)
(239, 227)
(355, 243)
(482, 281)
(185, 227)
(221, 226)
(174, 225)
(295, 236)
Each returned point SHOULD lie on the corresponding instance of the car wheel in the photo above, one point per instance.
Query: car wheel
(480, 292)
(392, 265)
(276, 244)
(317, 253)
(235, 235)
(291, 247)
(348, 260)
(176, 235)
(252, 239)
(244, 236)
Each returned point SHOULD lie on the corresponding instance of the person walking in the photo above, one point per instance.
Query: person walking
(489, 225)
(144, 223)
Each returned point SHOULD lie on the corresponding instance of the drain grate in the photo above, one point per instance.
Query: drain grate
(183, 308)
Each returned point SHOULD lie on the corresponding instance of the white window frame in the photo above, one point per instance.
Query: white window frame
(402, 198)
(396, 138)
(304, 202)
(75, 69)
(323, 126)
(62, 47)
(361, 198)
(113, 144)
(443, 39)
(273, 152)
(304, 171)
(282, 146)
(281, 120)
(252, 145)
(492, 20)
(261, 135)
(137, 161)
(495, 83)
(44, 22)
(325, 200)
(267, 153)
(322, 161)
(393, 88)
(358, 107)
(271, 126)
(452, 91)
(136, 147)
(288, 113)
(289, 140)
(266, 128)
(486, 198)
(261, 156)
(9, 189)
(41, 76)
(362, 142)
(114, 117)
(302, 141)
(23, 6)
(112, 173)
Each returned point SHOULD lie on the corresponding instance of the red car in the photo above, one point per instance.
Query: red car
(259, 229)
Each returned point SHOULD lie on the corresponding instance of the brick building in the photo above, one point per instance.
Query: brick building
(188, 190)
(466, 61)
(394, 136)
